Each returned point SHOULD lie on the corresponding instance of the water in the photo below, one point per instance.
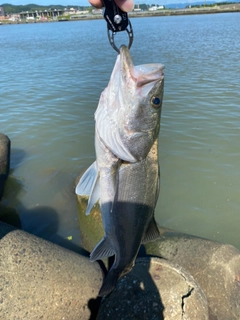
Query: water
(51, 77)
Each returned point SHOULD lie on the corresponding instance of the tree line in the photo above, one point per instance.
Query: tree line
(211, 4)
(13, 9)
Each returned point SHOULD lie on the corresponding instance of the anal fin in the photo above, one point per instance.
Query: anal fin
(152, 233)
(102, 250)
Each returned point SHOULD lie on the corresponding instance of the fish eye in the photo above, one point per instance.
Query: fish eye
(155, 102)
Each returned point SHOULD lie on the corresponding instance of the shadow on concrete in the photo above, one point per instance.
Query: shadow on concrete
(135, 297)
(146, 291)
(93, 306)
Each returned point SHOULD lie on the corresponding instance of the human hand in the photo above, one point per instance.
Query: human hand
(125, 5)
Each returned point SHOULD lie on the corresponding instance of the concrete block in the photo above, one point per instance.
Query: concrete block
(40, 280)
(155, 289)
(215, 266)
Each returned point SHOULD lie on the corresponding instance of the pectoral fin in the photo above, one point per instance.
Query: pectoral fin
(152, 233)
(111, 138)
(89, 186)
(102, 250)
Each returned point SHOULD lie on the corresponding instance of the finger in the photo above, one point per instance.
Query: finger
(96, 3)
(125, 5)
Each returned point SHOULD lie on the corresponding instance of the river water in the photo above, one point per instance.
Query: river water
(51, 77)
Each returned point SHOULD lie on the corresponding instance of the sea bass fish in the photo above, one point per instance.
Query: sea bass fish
(125, 176)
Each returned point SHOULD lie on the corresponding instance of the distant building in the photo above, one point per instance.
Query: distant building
(97, 11)
(154, 8)
(70, 11)
(14, 17)
(41, 14)
(1, 12)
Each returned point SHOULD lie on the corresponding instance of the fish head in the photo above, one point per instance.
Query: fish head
(142, 89)
(128, 120)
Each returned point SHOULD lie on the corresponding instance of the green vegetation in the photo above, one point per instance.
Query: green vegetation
(210, 5)
(144, 7)
(13, 9)
(65, 17)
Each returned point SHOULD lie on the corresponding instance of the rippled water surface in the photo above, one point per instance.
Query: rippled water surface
(51, 77)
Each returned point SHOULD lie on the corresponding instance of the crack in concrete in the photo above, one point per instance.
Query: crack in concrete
(187, 295)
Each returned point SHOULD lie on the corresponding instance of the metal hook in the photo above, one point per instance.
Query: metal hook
(112, 34)
(117, 21)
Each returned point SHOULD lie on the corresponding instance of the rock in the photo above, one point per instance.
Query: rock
(4, 160)
(215, 266)
(40, 280)
(154, 290)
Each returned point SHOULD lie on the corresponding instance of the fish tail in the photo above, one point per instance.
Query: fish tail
(109, 283)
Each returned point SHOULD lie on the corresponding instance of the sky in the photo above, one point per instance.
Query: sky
(86, 3)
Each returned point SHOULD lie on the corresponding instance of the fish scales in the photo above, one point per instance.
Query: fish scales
(125, 175)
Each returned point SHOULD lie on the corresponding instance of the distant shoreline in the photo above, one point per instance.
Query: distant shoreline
(228, 8)
(190, 11)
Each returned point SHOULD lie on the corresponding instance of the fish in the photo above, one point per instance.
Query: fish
(125, 178)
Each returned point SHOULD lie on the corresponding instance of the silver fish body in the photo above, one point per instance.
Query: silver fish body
(125, 175)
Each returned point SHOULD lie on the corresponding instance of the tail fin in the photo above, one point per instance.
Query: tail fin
(109, 283)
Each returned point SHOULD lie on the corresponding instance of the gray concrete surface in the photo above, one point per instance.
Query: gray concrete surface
(155, 289)
(215, 266)
(40, 280)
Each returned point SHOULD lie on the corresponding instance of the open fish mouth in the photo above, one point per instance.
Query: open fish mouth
(142, 74)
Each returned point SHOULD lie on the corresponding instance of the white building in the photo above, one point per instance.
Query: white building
(154, 8)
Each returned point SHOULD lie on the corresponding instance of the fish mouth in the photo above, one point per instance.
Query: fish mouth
(142, 74)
